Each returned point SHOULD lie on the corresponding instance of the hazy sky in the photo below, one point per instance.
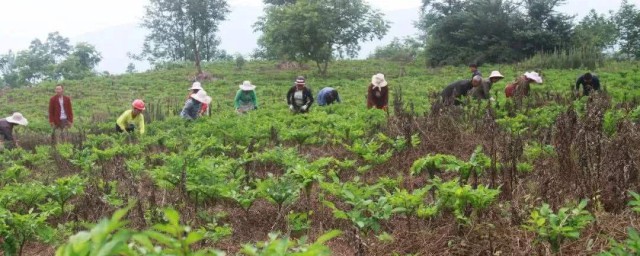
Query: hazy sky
(23, 20)
(36, 18)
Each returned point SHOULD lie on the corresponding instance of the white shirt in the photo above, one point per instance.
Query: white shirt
(63, 115)
(298, 97)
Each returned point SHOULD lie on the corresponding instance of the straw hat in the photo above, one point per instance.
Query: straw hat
(300, 80)
(496, 73)
(378, 80)
(247, 86)
(17, 118)
(533, 76)
(196, 86)
(202, 97)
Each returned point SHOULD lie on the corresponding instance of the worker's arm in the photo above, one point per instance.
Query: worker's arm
(140, 123)
(579, 82)
(123, 120)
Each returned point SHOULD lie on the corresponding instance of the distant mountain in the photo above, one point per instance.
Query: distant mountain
(236, 33)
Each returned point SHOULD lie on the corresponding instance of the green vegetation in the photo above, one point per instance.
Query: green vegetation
(382, 179)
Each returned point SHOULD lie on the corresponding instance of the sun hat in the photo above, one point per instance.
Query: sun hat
(533, 76)
(247, 86)
(202, 97)
(17, 118)
(300, 80)
(496, 73)
(378, 80)
(196, 86)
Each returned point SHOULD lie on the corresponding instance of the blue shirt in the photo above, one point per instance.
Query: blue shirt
(191, 109)
(322, 96)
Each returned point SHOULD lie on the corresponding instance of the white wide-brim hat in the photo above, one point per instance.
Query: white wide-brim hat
(17, 118)
(201, 96)
(496, 73)
(378, 80)
(533, 76)
(196, 86)
(247, 86)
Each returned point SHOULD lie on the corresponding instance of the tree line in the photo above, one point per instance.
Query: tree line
(452, 32)
(53, 59)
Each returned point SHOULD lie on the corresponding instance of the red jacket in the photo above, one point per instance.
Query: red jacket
(54, 109)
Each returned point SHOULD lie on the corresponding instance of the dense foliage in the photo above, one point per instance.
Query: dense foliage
(489, 31)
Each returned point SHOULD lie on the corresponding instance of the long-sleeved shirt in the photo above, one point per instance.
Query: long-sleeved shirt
(6, 130)
(378, 97)
(191, 109)
(245, 98)
(307, 97)
(322, 95)
(56, 109)
(127, 118)
(456, 89)
(586, 88)
(482, 92)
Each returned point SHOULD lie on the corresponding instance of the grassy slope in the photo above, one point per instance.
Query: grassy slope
(98, 101)
(106, 97)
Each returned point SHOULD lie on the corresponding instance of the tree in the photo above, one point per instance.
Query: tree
(80, 63)
(545, 29)
(628, 24)
(35, 64)
(316, 29)
(131, 68)
(404, 51)
(58, 46)
(456, 31)
(8, 69)
(183, 30)
(596, 31)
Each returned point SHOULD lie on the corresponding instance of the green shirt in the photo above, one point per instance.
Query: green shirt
(245, 99)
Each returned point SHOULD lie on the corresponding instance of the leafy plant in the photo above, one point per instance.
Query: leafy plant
(288, 247)
(453, 196)
(66, 188)
(17, 229)
(279, 190)
(555, 228)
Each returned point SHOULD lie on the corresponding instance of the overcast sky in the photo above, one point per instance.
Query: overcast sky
(23, 20)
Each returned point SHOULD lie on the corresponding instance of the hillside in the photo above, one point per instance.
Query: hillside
(424, 179)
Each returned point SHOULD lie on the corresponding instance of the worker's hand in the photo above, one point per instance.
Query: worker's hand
(304, 108)
(291, 107)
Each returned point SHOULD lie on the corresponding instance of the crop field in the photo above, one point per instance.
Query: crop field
(551, 174)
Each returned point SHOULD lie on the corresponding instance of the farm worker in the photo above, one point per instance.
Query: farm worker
(246, 99)
(483, 92)
(132, 118)
(474, 70)
(299, 96)
(192, 107)
(378, 93)
(6, 129)
(195, 87)
(60, 111)
(461, 88)
(327, 96)
(589, 82)
(520, 87)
